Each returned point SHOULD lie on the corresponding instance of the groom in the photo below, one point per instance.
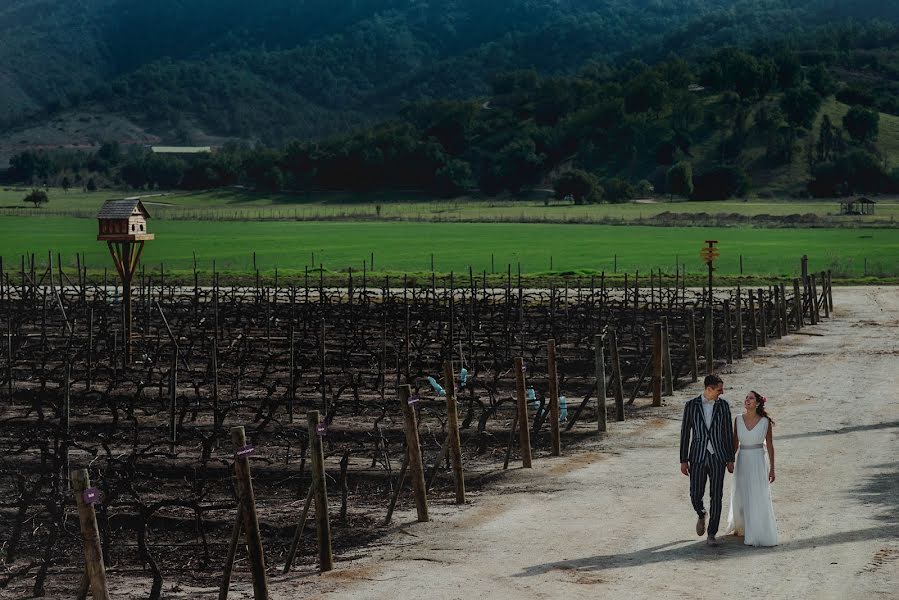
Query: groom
(706, 448)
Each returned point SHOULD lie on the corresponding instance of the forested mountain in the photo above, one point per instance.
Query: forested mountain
(283, 69)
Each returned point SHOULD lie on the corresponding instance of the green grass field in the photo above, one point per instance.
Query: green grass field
(245, 205)
(407, 247)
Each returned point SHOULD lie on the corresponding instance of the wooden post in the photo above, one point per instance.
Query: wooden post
(657, 364)
(298, 532)
(93, 553)
(524, 432)
(824, 295)
(797, 303)
(667, 373)
(320, 494)
(247, 509)
(753, 324)
(691, 329)
(763, 319)
(830, 290)
(232, 553)
(417, 471)
(291, 394)
(600, 365)
(728, 333)
(709, 339)
(739, 317)
(553, 398)
(452, 423)
(618, 388)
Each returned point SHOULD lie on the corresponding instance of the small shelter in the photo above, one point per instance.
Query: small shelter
(123, 221)
(858, 206)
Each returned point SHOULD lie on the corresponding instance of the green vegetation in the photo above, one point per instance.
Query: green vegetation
(230, 204)
(407, 247)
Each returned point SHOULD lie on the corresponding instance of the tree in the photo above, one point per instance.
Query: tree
(720, 183)
(800, 106)
(862, 124)
(579, 185)
(453, 178)
(619, 190)
(65, 184)
(820, 80)
(680, 179)
(36, 197)
(91, 185)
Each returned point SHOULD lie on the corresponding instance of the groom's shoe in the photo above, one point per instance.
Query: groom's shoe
(700, 526)
(712, 541)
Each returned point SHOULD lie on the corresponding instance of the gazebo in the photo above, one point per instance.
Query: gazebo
(858, 206)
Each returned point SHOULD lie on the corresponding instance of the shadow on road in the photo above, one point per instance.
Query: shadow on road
(882, 488)
(853, 429)
(731, 546)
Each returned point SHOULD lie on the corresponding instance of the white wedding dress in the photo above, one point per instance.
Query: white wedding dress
(751, 510)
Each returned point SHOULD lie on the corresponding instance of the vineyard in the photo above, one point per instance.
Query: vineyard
(155, 432)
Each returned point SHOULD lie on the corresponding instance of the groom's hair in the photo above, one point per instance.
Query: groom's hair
(712, 381)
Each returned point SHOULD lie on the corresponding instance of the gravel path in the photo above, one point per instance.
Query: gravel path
(613, 518)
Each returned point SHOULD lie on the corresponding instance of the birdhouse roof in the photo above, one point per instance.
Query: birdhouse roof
(122, 209)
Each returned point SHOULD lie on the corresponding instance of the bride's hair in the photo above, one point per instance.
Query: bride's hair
(760, 406)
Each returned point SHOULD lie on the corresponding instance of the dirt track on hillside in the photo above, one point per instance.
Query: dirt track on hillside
(613, 519)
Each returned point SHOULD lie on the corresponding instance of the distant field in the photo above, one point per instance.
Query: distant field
(407, 247)
(244, 205)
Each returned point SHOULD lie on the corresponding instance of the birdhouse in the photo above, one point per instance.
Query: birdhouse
(123, 221)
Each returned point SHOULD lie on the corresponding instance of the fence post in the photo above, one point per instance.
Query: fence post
(657, 364)
(763, 318)
(709, 339)
(248, 511)
(93, 554)
(691, 329)
(320, 494)
(830, 289)
(753, 323)
(729, 334)
(667, 373)
(553, 398)
(599, 357)
(452, 422)
(797, 303)
(413, 445)
(739, 316)
(824, 295)
(524, 432)
(618, 385)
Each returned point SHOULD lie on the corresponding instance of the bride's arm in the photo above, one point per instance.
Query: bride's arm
(736, 438)
(769, 441)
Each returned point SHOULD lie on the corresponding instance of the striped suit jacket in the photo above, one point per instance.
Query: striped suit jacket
(695, 436)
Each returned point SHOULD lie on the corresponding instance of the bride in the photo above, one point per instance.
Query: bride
(751, 510)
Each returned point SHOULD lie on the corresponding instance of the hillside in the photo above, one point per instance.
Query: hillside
(284, 69)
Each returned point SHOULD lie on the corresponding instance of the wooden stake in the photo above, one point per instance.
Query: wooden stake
(232, 553)
(709, 339)
(248, 511)
(416, 467)
(763, 322)
(524, 432)
(657, 364)
(729, 334)
(90, 533)
(452, 423)
(298, 533)
(691, 330)
(553, 399)
(600, 377)
(320, 494)
(618, 383)
(667, 372)
(739, 324)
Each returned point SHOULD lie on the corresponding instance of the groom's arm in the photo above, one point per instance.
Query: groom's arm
(728, 442)
(685, 436)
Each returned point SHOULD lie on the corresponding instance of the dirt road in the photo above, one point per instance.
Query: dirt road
(613, 518)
